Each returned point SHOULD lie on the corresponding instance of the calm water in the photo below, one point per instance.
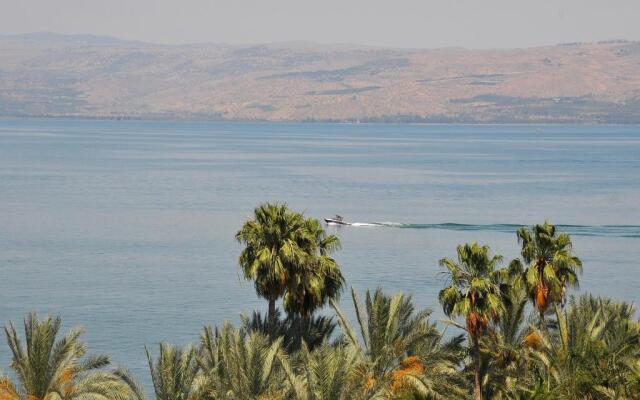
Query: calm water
(127, 227)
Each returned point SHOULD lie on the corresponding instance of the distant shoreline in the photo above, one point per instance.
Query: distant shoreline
(365, 121)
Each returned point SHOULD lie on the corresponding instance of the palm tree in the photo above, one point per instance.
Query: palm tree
(551, 266)
(400, 349)
(289, 256)
(321, 243)
(319, 278)
(272, 250)
(174, 374)
(293, 329)
(506, 349)
(595, 348)
(47, 369)
(474, 294)
(326, 373)
(237, 365)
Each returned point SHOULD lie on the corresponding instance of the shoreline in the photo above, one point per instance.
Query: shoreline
(148, 118)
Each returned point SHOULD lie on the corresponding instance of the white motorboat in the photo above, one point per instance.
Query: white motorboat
(337, 220)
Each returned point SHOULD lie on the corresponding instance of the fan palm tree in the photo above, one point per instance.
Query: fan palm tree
(288, 256)
(550, 266)
(237, 365)
(174, 374)
(310, 288)
(399, 348)
(474, 294)
(293, 329)
(50, 369)
(319, 278)
(272, 250)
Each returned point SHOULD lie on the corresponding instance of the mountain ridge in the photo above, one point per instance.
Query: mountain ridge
(88, 76)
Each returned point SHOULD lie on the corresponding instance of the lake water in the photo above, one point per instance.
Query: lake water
(128, 227)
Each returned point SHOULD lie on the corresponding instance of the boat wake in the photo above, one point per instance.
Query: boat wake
(626, 231)
(364, 224)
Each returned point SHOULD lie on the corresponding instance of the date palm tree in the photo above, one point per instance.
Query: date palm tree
(293, 329)
(272, 250)
(506, 349)
(595, 348)
(173, 374)
(400, 350)
(50, 369)
(474, 294)
(550, 266)
(237, 365)
(326, 373)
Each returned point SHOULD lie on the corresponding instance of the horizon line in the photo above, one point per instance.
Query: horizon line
(307, 42)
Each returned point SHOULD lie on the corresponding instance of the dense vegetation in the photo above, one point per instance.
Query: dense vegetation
(521, 335)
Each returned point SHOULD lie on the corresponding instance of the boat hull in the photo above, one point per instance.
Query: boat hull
(335, 221)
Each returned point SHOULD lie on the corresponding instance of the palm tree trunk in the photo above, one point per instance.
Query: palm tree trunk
(304, 325)
(542, 323)
(272, 315)
(477, 379)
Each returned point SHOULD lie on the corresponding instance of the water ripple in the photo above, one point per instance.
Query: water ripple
(625, 231)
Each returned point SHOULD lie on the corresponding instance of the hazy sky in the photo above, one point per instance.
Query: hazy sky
(398, 23)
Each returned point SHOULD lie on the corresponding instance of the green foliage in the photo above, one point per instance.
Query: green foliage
(326, 373)
(52, 369)
(475, 293)
(273, 248)
(590, 348)
(551, 266)
(239, 365)
(288, 256)
(401, 351)
(593, 352)
(503, 350)
(174, 374)
(293, 329)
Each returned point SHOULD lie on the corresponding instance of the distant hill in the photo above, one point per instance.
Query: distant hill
(45, 74)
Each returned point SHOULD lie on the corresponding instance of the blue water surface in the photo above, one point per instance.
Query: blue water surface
(128, 227)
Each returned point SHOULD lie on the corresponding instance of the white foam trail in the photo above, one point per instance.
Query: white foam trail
(364, 224)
